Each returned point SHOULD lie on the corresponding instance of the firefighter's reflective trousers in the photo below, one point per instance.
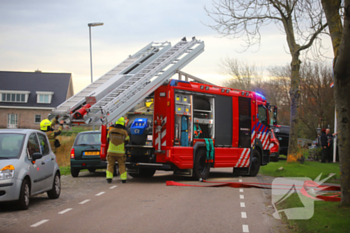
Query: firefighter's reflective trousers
(111, 158)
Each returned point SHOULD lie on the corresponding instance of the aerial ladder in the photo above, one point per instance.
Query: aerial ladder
(119, 90)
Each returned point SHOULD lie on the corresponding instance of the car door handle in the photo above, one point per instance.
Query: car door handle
(42, 163)
(52, 159)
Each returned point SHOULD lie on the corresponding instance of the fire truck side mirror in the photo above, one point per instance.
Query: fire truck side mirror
(274, 115)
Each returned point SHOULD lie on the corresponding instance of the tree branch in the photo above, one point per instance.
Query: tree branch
(314, 36)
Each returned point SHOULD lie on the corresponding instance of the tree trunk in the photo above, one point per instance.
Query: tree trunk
(331, 9)
(294, 93)
(341, 46)
(342, 99)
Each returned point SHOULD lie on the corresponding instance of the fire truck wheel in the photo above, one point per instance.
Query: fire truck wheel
(143, 173)
(201, 169)
(255, 166)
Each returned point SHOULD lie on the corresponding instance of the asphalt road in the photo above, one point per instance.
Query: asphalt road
(89, 204)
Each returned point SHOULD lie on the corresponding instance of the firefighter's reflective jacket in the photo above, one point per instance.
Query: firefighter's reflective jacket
(117, 137)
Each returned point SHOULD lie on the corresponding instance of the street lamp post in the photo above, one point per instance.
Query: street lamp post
(92, 25)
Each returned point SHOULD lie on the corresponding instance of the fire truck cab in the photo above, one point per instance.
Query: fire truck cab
(192, 127)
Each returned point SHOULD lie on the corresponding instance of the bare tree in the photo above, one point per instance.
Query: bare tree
(340, 35)
(317, 99)
(280, 84)
(300, 20)
(241, 73)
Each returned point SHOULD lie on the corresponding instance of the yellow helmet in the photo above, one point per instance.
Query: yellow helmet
(120, 121)
(44, 124)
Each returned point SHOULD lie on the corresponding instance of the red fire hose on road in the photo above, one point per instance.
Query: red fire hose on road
(308, 184)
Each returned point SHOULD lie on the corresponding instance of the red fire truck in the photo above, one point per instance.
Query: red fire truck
(189, 128)
(194, 127)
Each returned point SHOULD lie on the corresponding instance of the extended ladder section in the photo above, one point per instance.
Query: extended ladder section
(141, 81)
(99, 88)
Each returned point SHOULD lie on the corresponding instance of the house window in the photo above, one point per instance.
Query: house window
(14, 96)
(37, 119)
(44, 97)
(12, 121)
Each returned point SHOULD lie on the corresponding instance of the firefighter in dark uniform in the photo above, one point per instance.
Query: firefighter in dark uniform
(47, 126)
(116, 151)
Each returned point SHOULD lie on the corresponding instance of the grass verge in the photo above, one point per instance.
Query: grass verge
(308, 169)
(65, 170)
(328, 217)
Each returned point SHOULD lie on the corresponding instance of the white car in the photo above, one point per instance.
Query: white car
(27, 166)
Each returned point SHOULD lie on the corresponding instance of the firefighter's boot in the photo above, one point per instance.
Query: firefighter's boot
(109, 176)
(123, 177)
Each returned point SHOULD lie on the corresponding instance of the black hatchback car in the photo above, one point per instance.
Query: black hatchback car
(85, 153)
(282, 134)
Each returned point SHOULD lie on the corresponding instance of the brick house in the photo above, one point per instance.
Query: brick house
(26, 98)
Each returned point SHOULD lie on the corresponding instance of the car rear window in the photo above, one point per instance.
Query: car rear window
(84, 139)
(11, 145)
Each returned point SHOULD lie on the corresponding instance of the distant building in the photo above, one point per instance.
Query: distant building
(26, 98)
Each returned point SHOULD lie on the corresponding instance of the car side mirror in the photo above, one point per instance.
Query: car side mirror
(274, 115)
(36, 156)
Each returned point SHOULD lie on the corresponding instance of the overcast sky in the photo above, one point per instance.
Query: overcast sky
(53, 36)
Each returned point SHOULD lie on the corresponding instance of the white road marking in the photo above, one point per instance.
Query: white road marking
(39, 223)
(245, 228)
(113, 187)
(83, 202)
(242, 204)
(65, 211)
(99, 194)
(241, 196)
(243, 214)
(240, 180)
(241, 190)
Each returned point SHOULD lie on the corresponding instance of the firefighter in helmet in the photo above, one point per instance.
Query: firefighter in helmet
(47, 126)
(117, 137)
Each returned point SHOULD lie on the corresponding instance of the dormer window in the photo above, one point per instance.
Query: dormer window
(44, 97)
(14, 96)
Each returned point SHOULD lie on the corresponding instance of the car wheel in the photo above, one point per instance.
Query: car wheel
(255, 163)
(144, 173)
(74, 171)
(92, 170)
(201, 169)
(23, 201)
(55, 192)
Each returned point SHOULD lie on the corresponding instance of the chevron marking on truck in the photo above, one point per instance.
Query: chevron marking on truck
(246, 156)
(240, 157)
(252, 137)
(163, 134)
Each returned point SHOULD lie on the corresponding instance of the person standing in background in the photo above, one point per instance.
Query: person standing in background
(324, 145)
(330, 145)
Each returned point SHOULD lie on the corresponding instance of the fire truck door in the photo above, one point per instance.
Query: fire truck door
(244, 122)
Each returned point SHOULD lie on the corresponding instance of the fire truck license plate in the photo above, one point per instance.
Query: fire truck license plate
(92, 153)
